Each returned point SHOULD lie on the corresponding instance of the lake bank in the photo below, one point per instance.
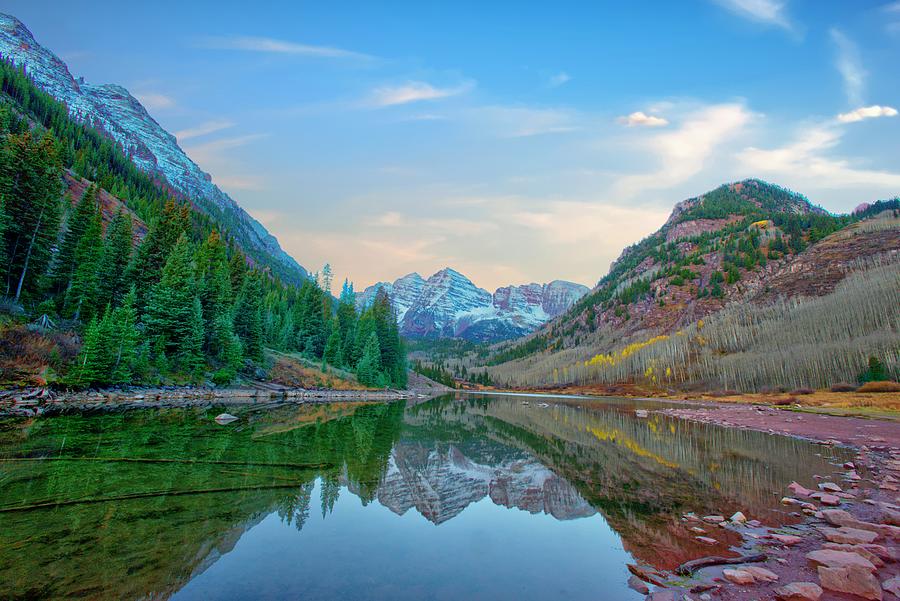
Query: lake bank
(30, 402)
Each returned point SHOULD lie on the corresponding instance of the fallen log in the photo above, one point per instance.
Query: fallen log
(689, 567)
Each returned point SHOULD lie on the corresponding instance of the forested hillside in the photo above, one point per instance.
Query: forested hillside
(745, 287)
(90, 299)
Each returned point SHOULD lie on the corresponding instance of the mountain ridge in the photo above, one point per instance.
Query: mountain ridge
(449, 305)
(112, 109)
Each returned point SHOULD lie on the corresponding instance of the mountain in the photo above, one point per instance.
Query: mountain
(746, 286)
(449, 305)
(113, 110)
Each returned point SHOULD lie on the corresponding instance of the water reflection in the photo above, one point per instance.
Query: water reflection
(343, 499)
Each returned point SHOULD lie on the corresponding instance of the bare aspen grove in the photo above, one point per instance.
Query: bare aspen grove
(801, 342)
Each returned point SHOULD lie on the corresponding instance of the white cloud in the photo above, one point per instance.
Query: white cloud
(849, 65)
(639, 118)
(771, 12)
(559, 79)
(240, 182)
(154, 101)
(684, 152)
(203, 129)
(413, 91)
(867, 112)
(271, 45)
(805, 163)
(211, 151)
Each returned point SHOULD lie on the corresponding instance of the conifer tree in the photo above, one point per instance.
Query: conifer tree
(30, 176)
(248, 317)
(347, 318)
(214, 288)
(80, 218)
(89, 364)
(114, 260)
(237, 271)
(146, 268)
(174, 317)
(125, 339)
(4, 226)
(332, 354)
(82, 294)
(368, 372)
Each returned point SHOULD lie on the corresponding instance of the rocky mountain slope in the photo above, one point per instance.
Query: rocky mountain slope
(113, 110)
(449, 305)
(697, 294)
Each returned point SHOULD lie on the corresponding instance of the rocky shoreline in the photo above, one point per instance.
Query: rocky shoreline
(846, 547)
(32, 402)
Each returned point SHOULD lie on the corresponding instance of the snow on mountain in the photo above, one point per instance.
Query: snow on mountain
(448, 304)
(112, 109)
(441, 482)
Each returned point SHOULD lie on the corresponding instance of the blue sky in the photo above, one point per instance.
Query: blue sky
(516, 141)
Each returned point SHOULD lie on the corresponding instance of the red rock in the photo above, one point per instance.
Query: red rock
(839, 559)
(850, 536)
(661, 596)
(707, 540)
(851, 579)
(638, 585)
(829, 500)
(892, 586)
(858, 549)
(713, 519)
(829, 487)
(786, 539)
(799, 591)
(738, 576)
(761, 574)
(799, 490)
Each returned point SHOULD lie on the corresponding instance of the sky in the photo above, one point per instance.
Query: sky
(513, 141)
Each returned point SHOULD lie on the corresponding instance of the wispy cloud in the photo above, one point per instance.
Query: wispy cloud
(849, 65)
(210, 152)
(275, 46)
(155, 101)
(893, 12)
(771, 12)
(684, 152)
(203, 129)
(806, 162)
(641, 119)
(243, 182)
(413, 91)
(867, 112)
(559, 79)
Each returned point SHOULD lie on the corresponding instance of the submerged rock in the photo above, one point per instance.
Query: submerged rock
(225, 418)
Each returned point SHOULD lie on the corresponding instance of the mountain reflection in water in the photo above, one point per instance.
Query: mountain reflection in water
(325, 501)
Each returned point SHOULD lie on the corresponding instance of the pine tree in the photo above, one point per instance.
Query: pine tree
(332, 354)
(347, 318)
(125, 342)
(174, 316)
(214, 286)
(90, 363)
(114, 260)
(237, 271)
(30, 176)
(248, 317)
(80, 218)
(4, 226)
(368, 372)
(145, 270)
(82, 294)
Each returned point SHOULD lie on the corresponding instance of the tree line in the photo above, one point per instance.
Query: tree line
(182, 305)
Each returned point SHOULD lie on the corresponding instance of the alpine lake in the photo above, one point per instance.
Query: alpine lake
(459, 497)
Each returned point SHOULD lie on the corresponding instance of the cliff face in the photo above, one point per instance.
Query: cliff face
(112, 109)
(448, 304)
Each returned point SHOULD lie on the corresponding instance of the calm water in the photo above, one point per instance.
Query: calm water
(476, 497)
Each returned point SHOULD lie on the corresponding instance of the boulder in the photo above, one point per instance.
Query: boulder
(661, 596)
(225, 418)
(713, 519)
(799, 591)
(849, 536)
(761, 574)
(830, 500)
(799, 490)
(786, 539)
(829, 487)
(858, 549)
(638, 585)
(738, 518)
(839, 559)
(707, 540)
(740, 576)
(892, 586)
(851, 579)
